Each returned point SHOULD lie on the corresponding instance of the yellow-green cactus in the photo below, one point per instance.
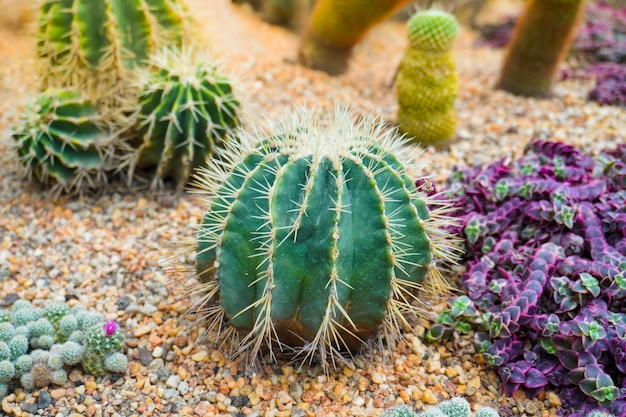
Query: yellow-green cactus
(335, 26)
(542, 37)
(427, 84)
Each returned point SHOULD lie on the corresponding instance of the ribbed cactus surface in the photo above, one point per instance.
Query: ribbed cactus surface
(315, 236)
(61, 143)
(93, 43)
(427, 83)
(186, 109)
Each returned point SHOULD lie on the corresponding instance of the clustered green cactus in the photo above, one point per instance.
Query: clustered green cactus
(427, 83)
(37, 343)
(122, 94)
(454, 407)
(186, 110)
(316, 236)
(61, 142)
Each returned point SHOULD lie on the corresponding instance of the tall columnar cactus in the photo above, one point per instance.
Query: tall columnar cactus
(541, 38)
(336, 26)
(427, 83)
(92, 44)
(61, 143)
(316, 236)
(186, 108)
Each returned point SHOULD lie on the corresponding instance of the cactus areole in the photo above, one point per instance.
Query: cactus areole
(314, 236)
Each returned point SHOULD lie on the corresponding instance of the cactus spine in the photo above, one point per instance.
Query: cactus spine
(316, 236)
(427, 83)
(336, 26)
(541, 38)
(61, 143)
(186, 108)
(92, 44)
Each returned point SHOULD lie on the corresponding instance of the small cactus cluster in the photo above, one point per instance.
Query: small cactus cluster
(454, 407)
(315, 237)
(122, 95)
(186, 110)
(427, 83)
(36, 344)
(62, 143)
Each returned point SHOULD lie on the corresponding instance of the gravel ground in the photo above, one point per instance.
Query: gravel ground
(104, 252)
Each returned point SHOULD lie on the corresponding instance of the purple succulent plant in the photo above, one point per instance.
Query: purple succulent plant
(546, 267)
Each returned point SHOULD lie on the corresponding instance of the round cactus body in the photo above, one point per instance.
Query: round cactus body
(61, 143)
(427, 83)
(315, 236)
(186, 108)
(94, 43)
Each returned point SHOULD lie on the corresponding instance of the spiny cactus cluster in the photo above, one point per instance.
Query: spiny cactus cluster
(62, 143)
(315, 237)
(36, 344)
(122, 94)
(186, 109)
(427, 83)
(454, 407)
(545, 282)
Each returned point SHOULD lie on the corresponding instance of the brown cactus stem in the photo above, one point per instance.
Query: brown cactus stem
(336, 26)
(542, 37)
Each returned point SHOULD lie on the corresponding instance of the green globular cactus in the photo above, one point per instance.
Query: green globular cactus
(61, 143)
(427, 82)
(186, 109)
(336, 26)
(93, 44)
(316, 237)
(100, 343)
(542, 37)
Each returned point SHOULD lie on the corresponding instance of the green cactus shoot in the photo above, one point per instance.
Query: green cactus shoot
(92, 44)
(427, 83)
(186, 109)
(316, 238)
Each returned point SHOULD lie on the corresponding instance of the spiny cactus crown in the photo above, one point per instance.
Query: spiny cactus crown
(187, 106)
(433, 31)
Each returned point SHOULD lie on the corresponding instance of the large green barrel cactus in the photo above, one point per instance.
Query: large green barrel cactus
(336, 26)
(427, 83)
(92, 44)
(186, 108)
(541, 39)
(61, 143)
(316, 236)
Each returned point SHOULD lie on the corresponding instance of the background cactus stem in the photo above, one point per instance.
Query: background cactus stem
(541, 38)
(336, 26)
